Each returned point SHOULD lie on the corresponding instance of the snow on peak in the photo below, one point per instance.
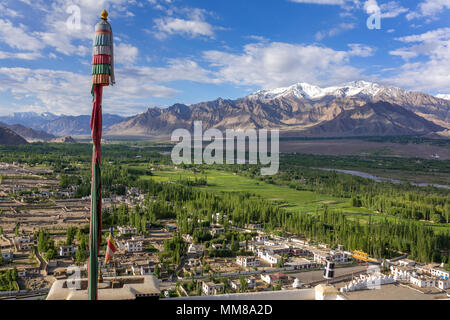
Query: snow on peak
(443, 96)
(311, 92)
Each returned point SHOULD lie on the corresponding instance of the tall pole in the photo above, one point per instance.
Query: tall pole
(96, 198)
(102, 75)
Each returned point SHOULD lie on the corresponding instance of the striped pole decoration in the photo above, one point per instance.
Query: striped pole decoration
(102, 75)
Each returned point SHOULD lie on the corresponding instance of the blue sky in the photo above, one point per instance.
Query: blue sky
(180, 51)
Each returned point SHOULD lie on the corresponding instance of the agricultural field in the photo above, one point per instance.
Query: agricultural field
(290, 199)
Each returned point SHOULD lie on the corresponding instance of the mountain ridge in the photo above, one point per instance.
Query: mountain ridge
(295, 108)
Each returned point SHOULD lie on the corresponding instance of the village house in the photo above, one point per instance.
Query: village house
(434, 270)
(210, 288)
(321, 256)
(196, 249)
(248, 261)
(440, 273)
(127, 230)
(443, 284)
(132, 246)
(23, 243)
(401, 273)
(66, 251)
(143, 270)
(270, 257)
(422, 281)
(299, 263)
(274, 278)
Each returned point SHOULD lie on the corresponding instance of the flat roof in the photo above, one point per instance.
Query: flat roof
(116, 288)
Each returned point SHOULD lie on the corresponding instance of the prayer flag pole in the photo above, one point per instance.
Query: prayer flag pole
(102, 75)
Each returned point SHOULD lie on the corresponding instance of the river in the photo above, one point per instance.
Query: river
(379, 179)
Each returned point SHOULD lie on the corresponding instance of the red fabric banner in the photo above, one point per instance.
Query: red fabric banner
(101, 59)
(96, 127)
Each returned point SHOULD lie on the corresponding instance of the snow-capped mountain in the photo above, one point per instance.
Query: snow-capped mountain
(312, 92)
(443, 96)
(356, 108)
(29, 119)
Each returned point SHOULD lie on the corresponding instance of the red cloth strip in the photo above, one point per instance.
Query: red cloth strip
(102, 32)
(96, 123)
(101, 59)
(96, 127)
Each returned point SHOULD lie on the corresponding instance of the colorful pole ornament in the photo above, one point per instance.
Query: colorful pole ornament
(102, 75)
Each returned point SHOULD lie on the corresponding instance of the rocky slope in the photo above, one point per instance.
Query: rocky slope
(10, 138)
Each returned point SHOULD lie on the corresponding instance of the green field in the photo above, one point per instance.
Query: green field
(289, 199)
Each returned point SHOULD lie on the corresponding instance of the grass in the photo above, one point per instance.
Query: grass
(290, 199)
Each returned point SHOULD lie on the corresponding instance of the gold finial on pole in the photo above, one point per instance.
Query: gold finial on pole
(104, 15)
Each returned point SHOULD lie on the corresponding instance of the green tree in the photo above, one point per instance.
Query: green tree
(244, 284)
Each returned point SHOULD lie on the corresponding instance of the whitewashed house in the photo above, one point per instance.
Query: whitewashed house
(210, 288)
(247, 261)
(67, 251)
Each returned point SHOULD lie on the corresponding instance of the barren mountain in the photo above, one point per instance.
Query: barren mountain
(29, 134)
(10, 138)
(375, 119)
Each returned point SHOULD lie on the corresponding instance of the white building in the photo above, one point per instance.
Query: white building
(142, 270)
(127, 230)
(443, 284)
(134, 246)
(401, 273)
(248, 261)
(210, 288)
(269, 257)
(273, 277)
(321, 256)
(66, 251)
(196, 249)
(434, 270)
(23, 242)
(422, 281)
(440, 273)
(299, 264)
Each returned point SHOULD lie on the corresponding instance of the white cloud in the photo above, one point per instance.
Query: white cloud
(17, 37)
(191, 28)
(342, 27)
(190, 22)
(429, 8)
(64, 92)
(361, 50)
(126, 54)
(392, 9)
(275, 64)
(431, 69)
(20, 55)
(8, 12)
